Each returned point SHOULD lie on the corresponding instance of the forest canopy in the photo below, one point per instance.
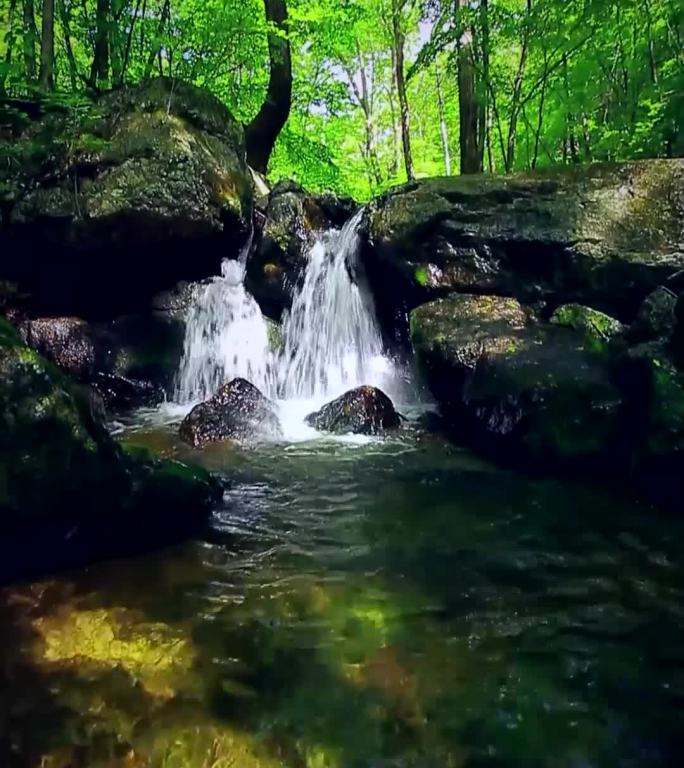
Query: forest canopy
(380, 90)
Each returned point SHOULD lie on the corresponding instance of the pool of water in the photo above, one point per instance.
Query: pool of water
(360, 603)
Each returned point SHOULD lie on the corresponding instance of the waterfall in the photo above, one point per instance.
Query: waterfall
(332, 341)
(331, 338)
(225, 337)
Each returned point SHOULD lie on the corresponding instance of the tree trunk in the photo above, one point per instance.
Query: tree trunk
(30, 37)
(155, 53)
(46, 80)
(471, 159)
(99, 72)
(509, 159)
(399, 39)
(262, 133)
(65, 17)
(10, 44)
(442, 122)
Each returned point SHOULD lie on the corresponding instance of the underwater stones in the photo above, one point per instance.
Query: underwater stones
(88, 642)
(139, 179)
(596, 325)
(238, 411)
(523, 391)
(364, 411)
(602, 235)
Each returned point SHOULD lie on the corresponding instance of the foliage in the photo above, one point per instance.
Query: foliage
(557, 81)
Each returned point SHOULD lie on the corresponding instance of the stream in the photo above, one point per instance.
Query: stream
(353, 602)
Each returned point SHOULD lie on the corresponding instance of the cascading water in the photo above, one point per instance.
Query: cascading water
(331, 337)
(225, 337)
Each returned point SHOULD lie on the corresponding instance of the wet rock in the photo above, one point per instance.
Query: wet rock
(122, 193)
(656, 317)
(522, 391)
(291, 219)
(594, 324)
(238, 411)
(364, 411)
(68, 493)
(600, 235)
(66, 341)
(121, 394)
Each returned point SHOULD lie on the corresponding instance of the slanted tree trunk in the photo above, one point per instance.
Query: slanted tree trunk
(46, 80)
(471, 158)
(261, 134)
(99, 71)
(29, 42)
(399, 41)
(442, 122)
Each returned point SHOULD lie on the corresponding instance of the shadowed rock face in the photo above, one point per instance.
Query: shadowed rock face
(61, 473)
(363, 411)
(602, 235)
(517, 389)
(101, 210)
(238, 411)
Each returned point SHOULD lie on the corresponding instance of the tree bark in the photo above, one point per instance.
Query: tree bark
(10, 44)
(155, 53)
(64, 15)
(99, 71)
(29, 42)
(262, 133)
(471, 160)
(442, 122)
(399, 40)
(46, 80)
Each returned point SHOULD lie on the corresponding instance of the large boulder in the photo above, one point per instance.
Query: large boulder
(67, 491)
(522, 391)
(362, 411)
(238, 411)
(601, 235)
(103, 202)
(291, 220)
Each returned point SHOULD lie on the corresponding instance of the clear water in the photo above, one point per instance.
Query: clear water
(368, 604)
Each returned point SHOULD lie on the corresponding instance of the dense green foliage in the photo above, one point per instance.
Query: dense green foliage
(548, 81)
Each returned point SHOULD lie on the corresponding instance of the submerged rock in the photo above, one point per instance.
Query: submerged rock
(102, 207)
(364, 411)
(238, 411)
(601, 235)
(523, 391)
(61, 473)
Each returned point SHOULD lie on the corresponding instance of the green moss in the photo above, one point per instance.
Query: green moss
(422, 276)
(594, 324)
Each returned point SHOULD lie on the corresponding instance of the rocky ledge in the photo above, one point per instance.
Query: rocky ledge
(68, 492)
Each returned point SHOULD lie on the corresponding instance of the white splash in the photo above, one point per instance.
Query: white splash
(332, 341)
(225, 337)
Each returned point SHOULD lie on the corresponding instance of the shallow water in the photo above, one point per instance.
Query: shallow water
(363, 603)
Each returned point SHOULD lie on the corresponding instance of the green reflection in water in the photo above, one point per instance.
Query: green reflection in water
(378, 605)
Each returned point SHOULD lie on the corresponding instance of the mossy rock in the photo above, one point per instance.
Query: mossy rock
(597, 326)
(523, 391)
(603, 235)
(62, 473)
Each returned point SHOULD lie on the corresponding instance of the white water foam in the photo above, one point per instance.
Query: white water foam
(331, 338)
